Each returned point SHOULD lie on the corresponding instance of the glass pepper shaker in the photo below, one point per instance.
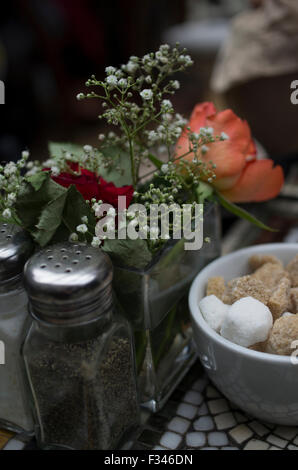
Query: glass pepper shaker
(16, 246)
(78, 353)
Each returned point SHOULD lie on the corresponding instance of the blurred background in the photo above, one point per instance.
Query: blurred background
(48, 48)
(244, 52)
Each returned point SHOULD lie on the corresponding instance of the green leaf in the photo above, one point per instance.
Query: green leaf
(76, 208)
(38, 179)
(158, 163)
(30, 203)
(52, 212)
(203, 191)
(121, 158)
(130, 253)
(236, 210)
(56, 149)
(50, 220)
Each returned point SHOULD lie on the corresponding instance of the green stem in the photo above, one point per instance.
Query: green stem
(132, 161)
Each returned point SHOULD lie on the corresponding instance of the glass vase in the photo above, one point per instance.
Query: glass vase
(155, 301)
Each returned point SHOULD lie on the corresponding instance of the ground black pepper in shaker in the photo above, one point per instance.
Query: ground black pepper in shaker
(78, 354)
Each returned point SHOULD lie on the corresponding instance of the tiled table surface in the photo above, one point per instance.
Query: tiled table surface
(197, 416)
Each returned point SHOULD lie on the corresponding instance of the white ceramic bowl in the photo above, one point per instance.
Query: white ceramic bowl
(263, 385)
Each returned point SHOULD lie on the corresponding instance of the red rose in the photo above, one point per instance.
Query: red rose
(109, 193)
(92, 186)
(86, 183)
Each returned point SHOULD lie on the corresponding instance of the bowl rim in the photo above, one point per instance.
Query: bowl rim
(198, 319)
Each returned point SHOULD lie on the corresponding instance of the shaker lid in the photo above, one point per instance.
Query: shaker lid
(16, 246)
(68, 281)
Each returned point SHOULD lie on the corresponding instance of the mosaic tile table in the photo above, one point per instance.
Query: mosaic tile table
(197, 416)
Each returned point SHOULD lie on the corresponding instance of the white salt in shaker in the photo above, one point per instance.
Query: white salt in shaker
(16, 247)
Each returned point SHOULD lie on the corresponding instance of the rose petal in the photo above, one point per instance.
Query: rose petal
(109, 193)
(259, 181)
(230, 155)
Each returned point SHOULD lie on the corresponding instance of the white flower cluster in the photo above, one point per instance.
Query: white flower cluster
(11, 179)
(88, 157)
(148, 78)
(168, 131)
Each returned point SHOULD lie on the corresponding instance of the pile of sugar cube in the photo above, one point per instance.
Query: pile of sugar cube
(258, 311)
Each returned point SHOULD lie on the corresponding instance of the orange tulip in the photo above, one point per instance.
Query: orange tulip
(240, 177)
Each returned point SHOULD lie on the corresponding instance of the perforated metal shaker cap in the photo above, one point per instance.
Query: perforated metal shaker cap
(16, 246)
(69, 283)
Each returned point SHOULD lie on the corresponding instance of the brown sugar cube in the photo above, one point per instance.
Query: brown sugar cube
(292, 269)
(260, 347)
(282, 335)
(216, 286)
(248, 286)
(280, 300)
(256, 261)
(227, 297)
(294, 300)
(270, 274)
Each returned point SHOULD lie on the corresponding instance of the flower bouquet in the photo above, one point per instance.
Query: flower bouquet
(110, 197)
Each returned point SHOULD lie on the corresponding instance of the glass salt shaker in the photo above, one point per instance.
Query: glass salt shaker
(78, 353)
(16, 246)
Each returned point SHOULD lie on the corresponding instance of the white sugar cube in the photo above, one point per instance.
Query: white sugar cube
(248, 321)
(288, 314)
(213, 311)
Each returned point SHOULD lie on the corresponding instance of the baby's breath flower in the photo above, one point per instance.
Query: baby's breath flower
(152, 135)
(146, 94)
(96, 242)
(112, 80)
(25, 154)
(10, 169)
(55, 171)
(88, 148)
(163, 59)
(84, 219)
(96, 206)
(131, 67)
(164, 48)
(176, 85)
(82, 228)
(224, 136)
(80, 96)
(177, 132)
(119, 73)
(73, 237)
(6, 214)
(165, 168)
(167, 105)
(101, 137)
(122, 82)
(11, 198)
(204, 149)
(110, 70)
